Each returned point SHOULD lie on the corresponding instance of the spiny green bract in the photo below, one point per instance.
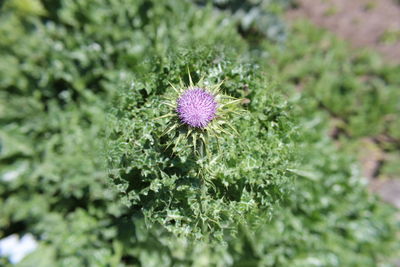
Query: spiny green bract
(219, 123)
(245, 179)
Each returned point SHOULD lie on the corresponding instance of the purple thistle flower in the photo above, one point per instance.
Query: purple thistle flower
(196, 107)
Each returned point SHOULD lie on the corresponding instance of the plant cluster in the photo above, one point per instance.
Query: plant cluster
(183, 188)
(358, 91)
(86, 164)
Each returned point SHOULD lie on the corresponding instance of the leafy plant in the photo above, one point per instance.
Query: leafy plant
(164, 181)
(86, 170)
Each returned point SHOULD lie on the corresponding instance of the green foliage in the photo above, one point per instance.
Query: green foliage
(164, 183)
(357, 90)
(350, 87)
(256, 19)
(329, 219)
(84, 168)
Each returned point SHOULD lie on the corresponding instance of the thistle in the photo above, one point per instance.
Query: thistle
(197, 113)
(196, 107)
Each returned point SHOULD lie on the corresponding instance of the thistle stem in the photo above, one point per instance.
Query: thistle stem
(203, 190)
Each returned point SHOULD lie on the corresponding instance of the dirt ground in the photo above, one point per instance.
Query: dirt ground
(364, 23)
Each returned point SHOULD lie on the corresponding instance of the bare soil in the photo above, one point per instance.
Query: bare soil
(363, 23)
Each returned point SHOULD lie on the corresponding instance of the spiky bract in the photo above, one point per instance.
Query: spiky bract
(197, 112)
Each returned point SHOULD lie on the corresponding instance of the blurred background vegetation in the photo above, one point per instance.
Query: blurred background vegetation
(84, 173)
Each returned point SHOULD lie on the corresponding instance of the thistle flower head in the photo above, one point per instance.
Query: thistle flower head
(197, 112)
(196, 107)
